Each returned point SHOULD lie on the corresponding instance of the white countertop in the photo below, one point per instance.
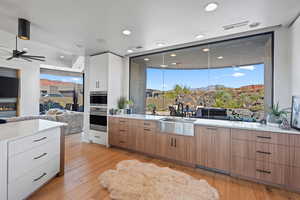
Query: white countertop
(16, 130)
(219, 123)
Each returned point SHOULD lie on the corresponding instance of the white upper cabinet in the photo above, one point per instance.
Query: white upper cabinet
(98, 73)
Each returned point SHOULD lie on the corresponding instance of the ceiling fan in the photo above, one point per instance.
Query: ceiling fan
(24, 34)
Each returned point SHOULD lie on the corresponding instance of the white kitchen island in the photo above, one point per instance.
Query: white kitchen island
(29, 156)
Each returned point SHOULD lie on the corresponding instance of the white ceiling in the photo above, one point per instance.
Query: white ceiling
(96, 25)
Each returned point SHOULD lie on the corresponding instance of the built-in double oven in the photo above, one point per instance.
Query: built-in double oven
(98, 111)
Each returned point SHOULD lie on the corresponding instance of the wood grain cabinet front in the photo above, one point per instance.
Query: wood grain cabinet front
(180, 148)
(213, 147)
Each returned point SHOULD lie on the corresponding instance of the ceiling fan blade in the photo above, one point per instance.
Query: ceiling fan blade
(29, 56)
(35, 59)
(26, 59)
(10, 58)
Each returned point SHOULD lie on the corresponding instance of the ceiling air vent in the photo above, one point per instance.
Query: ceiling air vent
(237, 25)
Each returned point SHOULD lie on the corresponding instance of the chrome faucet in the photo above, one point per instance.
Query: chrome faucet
(180, 111)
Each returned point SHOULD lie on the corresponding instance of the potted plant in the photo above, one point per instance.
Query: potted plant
(122, 102)
(276, 114)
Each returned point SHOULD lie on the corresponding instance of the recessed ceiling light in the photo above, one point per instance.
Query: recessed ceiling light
(146, 59)
(199, 36)
(161, 44)
(174, 63)
(164, 65)
(220, 57)
(129, 51)
(211, 7)
(25, 49)
(61, 57)
(205, 50)
(126, 32)
(173, 55)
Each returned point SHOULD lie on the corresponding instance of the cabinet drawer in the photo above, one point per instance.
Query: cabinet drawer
(123, 129)
(148, 124)
(273, 138)
(21, 145)
(243, 167)
(243, 148)
(240, 134)
(294, 177)
(295, 156)
(99, 138)
(25, 185)
(122, 140)
(23, 163)
(278, 154)
(272, 173)
(123, 121)
(294, 140)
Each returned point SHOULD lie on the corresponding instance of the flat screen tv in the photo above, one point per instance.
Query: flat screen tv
(9, 87)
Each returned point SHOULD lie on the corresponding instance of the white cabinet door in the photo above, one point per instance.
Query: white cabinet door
(98, 72)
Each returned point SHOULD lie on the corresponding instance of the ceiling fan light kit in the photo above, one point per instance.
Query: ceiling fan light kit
(24, 34)
(23, 29)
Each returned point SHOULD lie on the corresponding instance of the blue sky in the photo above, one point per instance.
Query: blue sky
(235, 77)
(72, 79)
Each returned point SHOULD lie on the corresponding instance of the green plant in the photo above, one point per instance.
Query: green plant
(129, 103)
(276, 111)
(151, 106)
(122, 102)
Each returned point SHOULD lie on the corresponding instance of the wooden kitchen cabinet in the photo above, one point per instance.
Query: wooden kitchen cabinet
(149, 140)
(175, 147)
(213, 147)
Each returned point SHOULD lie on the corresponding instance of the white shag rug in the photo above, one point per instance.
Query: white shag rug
(134, 180)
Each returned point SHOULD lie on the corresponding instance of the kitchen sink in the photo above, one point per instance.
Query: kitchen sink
(179, 126)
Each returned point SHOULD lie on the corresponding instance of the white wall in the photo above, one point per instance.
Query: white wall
(282, 69)
(295, 58)
(29, 85)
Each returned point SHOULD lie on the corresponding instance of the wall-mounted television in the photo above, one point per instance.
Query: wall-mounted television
(9, 87)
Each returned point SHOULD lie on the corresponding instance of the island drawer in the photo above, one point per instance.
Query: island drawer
(27, 184)
(23, 163)
(24, 144)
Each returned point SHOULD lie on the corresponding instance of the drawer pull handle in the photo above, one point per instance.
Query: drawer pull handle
(122, 121)
(44, 174)
(263, 171)
(263, 152)
(146, 129)
(122, 142)
(265, 137)
(38, 140)
(147, 124)
(122, 130)
(171, 142)
(214, 129)
(175, 142)
(40, 156)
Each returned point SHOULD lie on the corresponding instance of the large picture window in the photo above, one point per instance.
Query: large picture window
(61, 91)
(229, 80)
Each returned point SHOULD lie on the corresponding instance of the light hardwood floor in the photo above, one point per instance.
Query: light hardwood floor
(84, 163)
